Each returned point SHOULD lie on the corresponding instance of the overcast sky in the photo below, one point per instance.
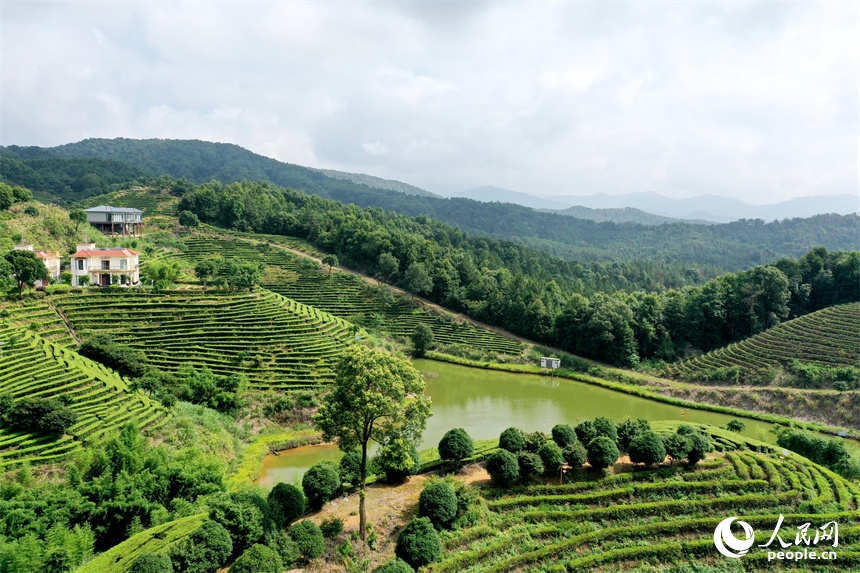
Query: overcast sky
(758, 101)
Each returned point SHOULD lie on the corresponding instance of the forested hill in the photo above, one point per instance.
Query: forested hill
(532, 293)
(729, 247)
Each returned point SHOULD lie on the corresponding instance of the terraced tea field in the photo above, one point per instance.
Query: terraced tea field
(665, 516)
(345, 296)
(37, 316)
(276, 342)
(34, 367)
(158, 539)
(828, 337)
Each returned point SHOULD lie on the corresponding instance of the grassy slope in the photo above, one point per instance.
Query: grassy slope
(51, 230)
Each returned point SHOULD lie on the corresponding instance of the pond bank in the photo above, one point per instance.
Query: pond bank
(648, 392)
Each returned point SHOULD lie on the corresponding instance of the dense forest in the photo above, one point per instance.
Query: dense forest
(67, 180)
(532, 293)
(729, 248)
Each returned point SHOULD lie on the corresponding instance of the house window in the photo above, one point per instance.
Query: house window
(106, 265)
(123, 264)
(81, 265)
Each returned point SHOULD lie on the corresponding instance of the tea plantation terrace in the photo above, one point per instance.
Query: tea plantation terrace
(828, 337)
(667, 514)
(344, 295)
(275, 341)
(33, 367)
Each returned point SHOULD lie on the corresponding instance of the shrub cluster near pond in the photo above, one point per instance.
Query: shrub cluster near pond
(524, 455)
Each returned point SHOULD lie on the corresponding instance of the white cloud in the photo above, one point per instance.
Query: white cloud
(752, 100)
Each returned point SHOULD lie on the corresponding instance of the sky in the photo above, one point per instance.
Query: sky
(758, 101)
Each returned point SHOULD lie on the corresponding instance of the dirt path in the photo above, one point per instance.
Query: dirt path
(389, 509)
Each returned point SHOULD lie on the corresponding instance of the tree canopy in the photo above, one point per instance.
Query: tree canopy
(375, 395)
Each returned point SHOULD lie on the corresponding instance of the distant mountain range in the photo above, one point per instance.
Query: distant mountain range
(72, 172)
(377, 182)
(704, 208)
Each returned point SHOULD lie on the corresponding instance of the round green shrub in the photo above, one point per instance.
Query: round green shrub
(284, 546)
(398, 459)
(418, 543)
(503, 467)
(585, 432)
(258, 559)
(151, 563)
(602, 452)
(395, 566)
(438, 502)
(606, 427)
(574, 454)
(308, 538)
(647, 448)
(736, 425)
(512, 440)
(552, 458)
(700, 445)
(331, 527)
(350, 467)
(629, 429)
(533, 441)
(456, 445)
(677, 446)
(206, 549)
(242, 519)
(287, 503)
(321, 483)
(563, 435)
(530, 465)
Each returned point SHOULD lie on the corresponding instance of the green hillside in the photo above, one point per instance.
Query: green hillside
(828, 338)
(625, 215)
(731, 247)
(148, 200)
(38, 363)
(274, 341)
(344, 295)
(665, 516)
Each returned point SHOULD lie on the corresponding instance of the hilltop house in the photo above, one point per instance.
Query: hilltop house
(116, 265)
(115, 219)
(51, 260)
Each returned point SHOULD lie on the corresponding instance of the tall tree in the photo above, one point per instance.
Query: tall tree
(162, 273)
(417, 280)
(331, 261)
(375, 395)
(78, 216)
(27, 268)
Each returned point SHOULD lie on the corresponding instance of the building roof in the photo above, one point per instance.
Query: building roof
(109, 209)
(112, 252)
(48, 254)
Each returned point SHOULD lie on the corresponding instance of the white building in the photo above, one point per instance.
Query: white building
(51, 259)
(115, 219)
(105, 267)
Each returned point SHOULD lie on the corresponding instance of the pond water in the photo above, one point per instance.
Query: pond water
(485, 402)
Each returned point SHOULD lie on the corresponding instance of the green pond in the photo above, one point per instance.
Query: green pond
(485, 402)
